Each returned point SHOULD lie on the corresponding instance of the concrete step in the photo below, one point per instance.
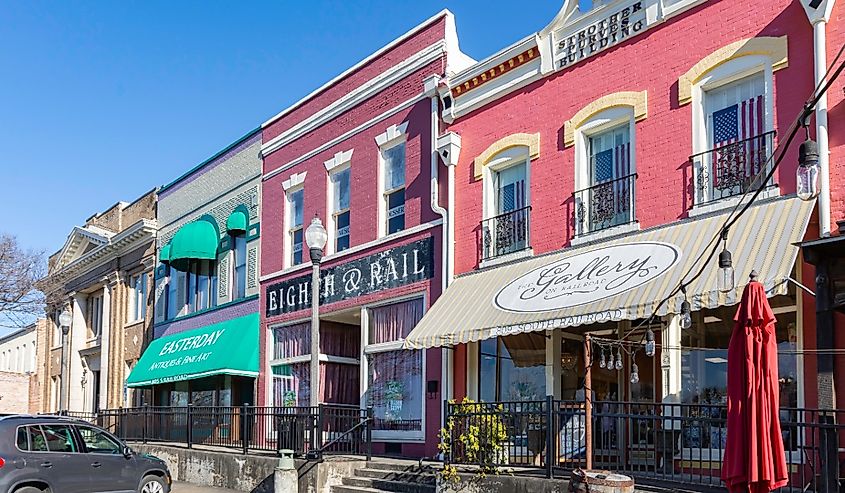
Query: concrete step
(427, 477)
(388, 485)
(354, 489)
(403, 465)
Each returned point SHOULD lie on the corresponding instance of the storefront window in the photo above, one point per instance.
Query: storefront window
(705, 367)
(395, 380)
(512, 368)
(291, 378)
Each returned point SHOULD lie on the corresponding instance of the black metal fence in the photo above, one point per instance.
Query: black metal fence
(668, 444)
(308, 431)
(733, 168)
(606, 204)
(506, 233)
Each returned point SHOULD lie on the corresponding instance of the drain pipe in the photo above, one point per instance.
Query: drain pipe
(818, 13)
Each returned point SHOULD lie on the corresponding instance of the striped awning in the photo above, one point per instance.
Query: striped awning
(622, 278)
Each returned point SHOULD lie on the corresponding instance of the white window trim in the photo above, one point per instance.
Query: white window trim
(510, 157)
(600, 122)
(336, 167)
(133, 300)
(726, 73)
(364, 371)
(287, 247)
(393, 136)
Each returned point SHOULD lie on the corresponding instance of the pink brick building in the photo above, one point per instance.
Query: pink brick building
(358, 153)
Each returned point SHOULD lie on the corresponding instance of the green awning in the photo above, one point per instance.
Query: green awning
(164, 254)
(196, 240)
(225, 348)
(237, 222)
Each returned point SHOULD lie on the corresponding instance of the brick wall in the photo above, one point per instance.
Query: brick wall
(663, 140)
(14, 392)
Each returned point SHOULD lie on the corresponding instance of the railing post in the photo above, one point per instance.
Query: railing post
(319, 434)
(550, 443)
(145, 413)
(368, 432)
(244, 428)
(190, 425)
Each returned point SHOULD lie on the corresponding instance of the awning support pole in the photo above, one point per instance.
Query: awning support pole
(588, 401)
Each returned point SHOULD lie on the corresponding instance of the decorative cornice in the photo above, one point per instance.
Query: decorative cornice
(391, 134)
(495, 72)
(774, 48)
(531, 141)
(295, 180)
(637, 100)
(339, 159)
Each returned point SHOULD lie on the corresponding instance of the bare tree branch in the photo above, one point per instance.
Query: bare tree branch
(20, 270)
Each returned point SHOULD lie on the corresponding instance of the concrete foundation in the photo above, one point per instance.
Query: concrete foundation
(248, 473)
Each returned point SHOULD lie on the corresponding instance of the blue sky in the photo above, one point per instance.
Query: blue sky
(103, 101)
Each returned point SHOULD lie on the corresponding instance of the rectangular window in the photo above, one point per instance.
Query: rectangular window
(512, 368)
(395, 379)
(739, 143)
(137, 297)
(340, 209)
(295, 231)
(394, 187)
(202, 285)
(291, 379)
(176, 279)
(95, 314)
(239, 250)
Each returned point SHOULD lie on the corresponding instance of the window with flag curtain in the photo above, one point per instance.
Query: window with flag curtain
(738, 141)
(610, 196)
(395, 380)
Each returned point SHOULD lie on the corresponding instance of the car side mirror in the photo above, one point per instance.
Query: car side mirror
(127, 452)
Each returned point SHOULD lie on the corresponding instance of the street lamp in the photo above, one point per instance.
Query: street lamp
(65, 319)
(315, 238)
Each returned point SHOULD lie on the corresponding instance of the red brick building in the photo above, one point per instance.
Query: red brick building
(598, 158)
(358, 153)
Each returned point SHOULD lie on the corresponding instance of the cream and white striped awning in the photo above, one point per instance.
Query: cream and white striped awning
(622, 278)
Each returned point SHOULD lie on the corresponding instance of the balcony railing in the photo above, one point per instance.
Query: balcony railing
(506, 233)
(607, 204)
(661, 444)
(732, 169)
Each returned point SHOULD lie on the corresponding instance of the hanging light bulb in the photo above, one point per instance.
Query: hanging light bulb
(602, 360)
(808, 169)
(635, 373)
(649, 343)
(618, 365)
(726, 268)
(686, 316)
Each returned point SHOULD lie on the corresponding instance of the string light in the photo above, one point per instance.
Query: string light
(649, 343)
(808, 168)
(619, 359)
(635, 373)
(602, 361)
(726, 268)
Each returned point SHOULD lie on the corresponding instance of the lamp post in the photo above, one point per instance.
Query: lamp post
(65, 319)
(315, 238)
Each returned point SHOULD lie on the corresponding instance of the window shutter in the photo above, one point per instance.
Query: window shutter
(252, 269)
(223, 278)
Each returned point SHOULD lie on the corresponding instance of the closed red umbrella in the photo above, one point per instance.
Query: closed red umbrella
(754, 459)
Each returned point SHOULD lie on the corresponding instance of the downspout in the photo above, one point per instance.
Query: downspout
(820, 61)
(431, 84)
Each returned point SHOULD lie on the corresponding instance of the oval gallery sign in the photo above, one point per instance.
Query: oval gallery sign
(588, 277)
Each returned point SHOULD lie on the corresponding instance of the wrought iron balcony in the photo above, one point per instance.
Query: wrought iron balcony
(607, 204)
(732, 169)
(505, 233)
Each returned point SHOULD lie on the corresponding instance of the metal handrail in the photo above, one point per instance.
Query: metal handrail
(605, 183)
(509, 213)
(773, 133)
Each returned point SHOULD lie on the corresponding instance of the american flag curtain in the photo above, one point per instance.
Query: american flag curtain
(512, 196)
(613, 164)
(738, 122)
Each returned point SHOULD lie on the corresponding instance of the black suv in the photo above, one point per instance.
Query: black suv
(52, 454)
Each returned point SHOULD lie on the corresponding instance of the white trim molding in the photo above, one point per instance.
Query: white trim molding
(392, 135)
(341, 158)
(294, 181)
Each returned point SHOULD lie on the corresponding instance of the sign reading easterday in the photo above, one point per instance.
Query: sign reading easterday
(587, 277)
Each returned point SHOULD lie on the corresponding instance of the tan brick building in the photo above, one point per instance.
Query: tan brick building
(21, 374)
(103, 276)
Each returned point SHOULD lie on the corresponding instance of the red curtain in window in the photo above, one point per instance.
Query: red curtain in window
(292, 340)
(340, 340)
(340, 383)
(394, 322)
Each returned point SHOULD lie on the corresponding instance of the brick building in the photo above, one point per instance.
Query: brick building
(595, 164)
(102, 276)
(205, 346)
(358, 153)
(20, 378)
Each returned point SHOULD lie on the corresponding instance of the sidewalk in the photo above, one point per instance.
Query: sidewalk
(180, 487)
